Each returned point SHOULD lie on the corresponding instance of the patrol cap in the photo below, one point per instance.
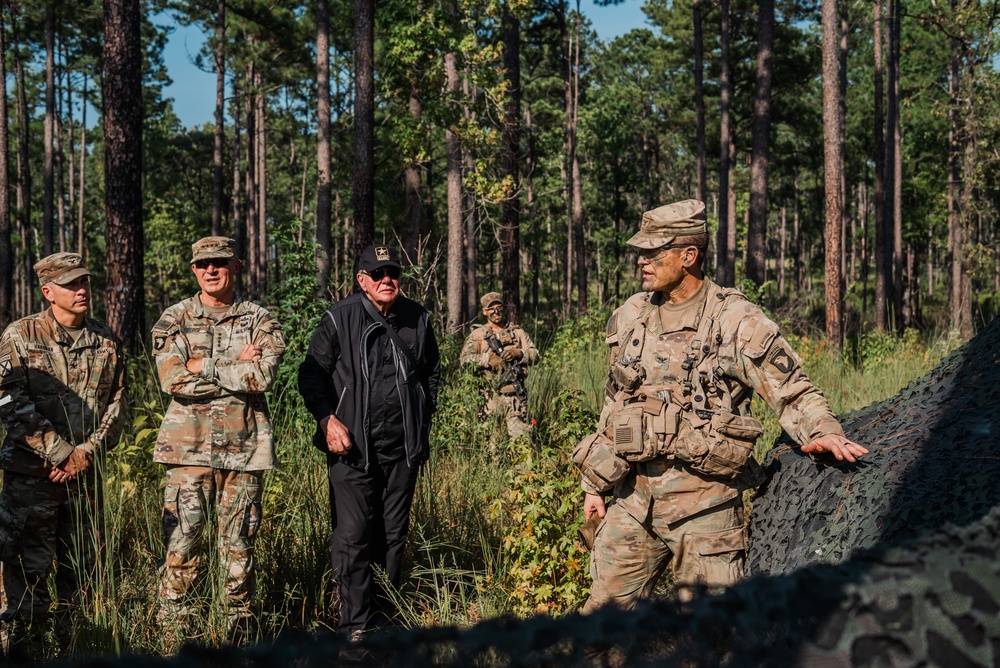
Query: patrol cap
(376, 257)
(60, 268)
(490, 298)
(213, 247)
(662, 225)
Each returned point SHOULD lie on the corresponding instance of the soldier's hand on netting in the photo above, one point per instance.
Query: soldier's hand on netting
(495, 363)
(251, 353)
(512, 354)
(837, 445)
(338, 439)
(592, 503)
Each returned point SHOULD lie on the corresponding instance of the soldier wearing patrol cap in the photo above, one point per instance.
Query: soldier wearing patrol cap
(517, 353)
(216, 356)
(62, 403)
(675, 437)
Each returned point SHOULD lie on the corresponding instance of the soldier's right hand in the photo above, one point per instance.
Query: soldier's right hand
(78, 462)
(495, 363)
(338, 440)
(592, 503)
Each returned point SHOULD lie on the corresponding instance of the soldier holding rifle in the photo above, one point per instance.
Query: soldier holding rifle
(502, 351)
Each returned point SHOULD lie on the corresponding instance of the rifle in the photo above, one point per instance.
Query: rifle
(513, 373)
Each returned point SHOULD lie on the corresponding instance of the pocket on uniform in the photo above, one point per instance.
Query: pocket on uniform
(722, 542)
(251, 509)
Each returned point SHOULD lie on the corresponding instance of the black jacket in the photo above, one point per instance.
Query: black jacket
(333, 379)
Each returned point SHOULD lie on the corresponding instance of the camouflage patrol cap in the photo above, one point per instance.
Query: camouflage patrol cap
(490, 298)
(60, 268)
(661, 226)
(213, 247)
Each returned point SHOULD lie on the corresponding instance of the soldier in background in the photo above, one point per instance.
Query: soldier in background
(675, 434)
(62, 402)
(506, 369)
(216, 355)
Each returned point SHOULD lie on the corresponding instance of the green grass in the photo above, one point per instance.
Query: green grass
(493, 522)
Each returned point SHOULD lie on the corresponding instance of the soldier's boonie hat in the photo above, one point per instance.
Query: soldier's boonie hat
(212, 248)
(490, 298)
(60, 268)
(376, 257)
(661, 226)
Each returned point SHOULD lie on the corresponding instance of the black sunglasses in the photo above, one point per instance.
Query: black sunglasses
(217, 262)
(378, 274)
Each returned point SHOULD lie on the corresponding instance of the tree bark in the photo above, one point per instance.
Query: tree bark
(832, 167)
(260, 153)
(81, 229)
(883, 260)
(724, 252)
(413, 215)
(26, 300)
(757, 232)
(364, 124)
(220, 101)
(48, 190)
(123, 116)
(699, 101)
(471, 219)
(510, 155)
(579, 243)
(323, 144)
(897, 167)
(6, 247)
(453, 150)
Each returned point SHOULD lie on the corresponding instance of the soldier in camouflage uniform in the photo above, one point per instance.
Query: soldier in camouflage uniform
(62, 402)
(517, 350)
(216, 355)
(675, 434)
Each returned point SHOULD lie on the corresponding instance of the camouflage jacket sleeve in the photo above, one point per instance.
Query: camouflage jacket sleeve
(250, 376)
(475, 352)
(527, 347)
(768, 364)
(172, 352)
(20, 417)
(112, 421)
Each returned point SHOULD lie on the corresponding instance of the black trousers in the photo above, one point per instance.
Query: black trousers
(370, 512)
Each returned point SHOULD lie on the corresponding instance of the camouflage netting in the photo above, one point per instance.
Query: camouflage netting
(912, 572)
(935, 459)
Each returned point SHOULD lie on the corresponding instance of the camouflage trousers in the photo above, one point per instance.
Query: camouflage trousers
(629, 556)
(513, 410)
(42, 522)
(192, 492)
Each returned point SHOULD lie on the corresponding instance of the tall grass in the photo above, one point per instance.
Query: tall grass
(493, 521)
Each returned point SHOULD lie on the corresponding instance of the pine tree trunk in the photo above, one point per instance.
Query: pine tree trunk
(579, 244)
(238, 232)
(510, 155)
(453, 150)
(364, 124)
(220, 101)
(883, 278)
(261, 189)
(469, 93)
(323, 144)
(894, 163)
(701, 189)
(26, 301)
(724, 252)
(6, 247)
(123, 169)
(413, 215)
(48, 191)
(250, 183)
(832, 168)
(757, 232)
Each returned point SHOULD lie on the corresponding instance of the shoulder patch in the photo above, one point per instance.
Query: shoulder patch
(757, 337)
(779, 361)
(611, 337)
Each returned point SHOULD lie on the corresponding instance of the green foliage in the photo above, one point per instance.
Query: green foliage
(547, 568)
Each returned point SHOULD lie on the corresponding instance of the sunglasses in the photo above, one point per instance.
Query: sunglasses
(378, 274)
(217, 262)
(653, 253)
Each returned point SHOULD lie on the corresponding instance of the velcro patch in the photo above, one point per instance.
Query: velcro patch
(6, 366)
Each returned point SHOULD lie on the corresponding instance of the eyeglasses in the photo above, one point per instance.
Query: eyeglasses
(648, 255)
(378, 274)
(217, 262)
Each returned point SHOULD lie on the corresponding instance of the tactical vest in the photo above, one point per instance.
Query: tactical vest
(692, 419)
